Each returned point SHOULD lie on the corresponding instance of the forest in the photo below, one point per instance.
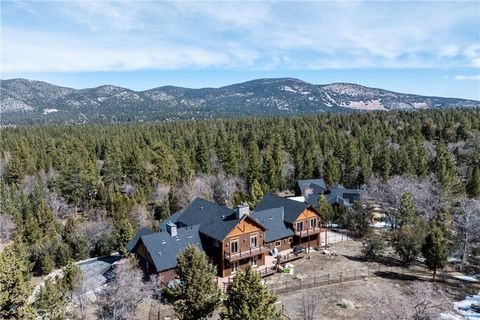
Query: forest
(73, 192)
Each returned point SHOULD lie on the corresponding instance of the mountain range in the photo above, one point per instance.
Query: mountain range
(36, 102)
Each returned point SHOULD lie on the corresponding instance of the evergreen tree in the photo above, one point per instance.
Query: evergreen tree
(422, 162)
(351, 162)
(447, 171)
(435, 250)
(408, 211)
(325, 209)
(332, 170)
(14, 282)
(473, 183)
(407, 243)
(254, 169)
(202, 157)
(249, 299)
(124, 233)
(197, 294)
(51, 301)
(256, 193)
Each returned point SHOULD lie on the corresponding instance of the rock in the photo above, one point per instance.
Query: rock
(347, 304)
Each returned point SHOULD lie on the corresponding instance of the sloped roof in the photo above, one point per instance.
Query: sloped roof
(215, 221)
(292, 209)
(164, 248)
(273, 220)
(307, 183)
(142, 232)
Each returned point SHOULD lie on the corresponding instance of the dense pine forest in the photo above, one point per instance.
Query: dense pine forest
(70, 192)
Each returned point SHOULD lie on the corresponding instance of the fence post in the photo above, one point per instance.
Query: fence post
(314, 281)
(328, 278)
(341, 274)
(355, 274)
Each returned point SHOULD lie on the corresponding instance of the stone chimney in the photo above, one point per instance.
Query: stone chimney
(172, 229)
(242, 209)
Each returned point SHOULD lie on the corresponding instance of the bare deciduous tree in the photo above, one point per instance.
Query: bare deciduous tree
(467, 225)
(426, 195)
(307, 304)
(120, 298)
(7, 226)
(428, 301)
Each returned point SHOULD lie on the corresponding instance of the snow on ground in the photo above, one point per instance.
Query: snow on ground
(469, 308)
(47, 111)
(381, 225)
(468, 278)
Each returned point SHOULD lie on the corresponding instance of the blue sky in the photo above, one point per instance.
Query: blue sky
(424, 47)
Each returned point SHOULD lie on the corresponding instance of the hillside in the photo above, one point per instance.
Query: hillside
(36, 102)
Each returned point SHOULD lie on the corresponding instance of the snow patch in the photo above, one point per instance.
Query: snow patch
(421, 105)
(467, 278)
(469, 307)
(365, 105)
(47, 111)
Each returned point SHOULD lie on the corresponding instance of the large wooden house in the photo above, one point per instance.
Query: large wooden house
(231, 238)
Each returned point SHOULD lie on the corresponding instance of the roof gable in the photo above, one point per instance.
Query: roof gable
(273, 220)
(292, 209)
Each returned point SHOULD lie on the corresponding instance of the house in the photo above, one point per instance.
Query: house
(289, 223)
(311, 186)
(231, 239)
(337, 195)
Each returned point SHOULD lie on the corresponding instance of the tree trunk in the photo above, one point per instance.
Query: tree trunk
(434, 273)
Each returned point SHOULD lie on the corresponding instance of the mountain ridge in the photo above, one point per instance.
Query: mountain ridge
(25, 101)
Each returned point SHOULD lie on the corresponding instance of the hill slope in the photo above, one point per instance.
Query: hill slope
(27, 102)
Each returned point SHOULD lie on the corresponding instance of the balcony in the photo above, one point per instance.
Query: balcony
(246, 253)
(308, 232)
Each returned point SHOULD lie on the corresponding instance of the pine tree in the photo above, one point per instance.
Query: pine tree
(325, 209)
(51, 302)
(421, 163)
(124, 233)
(435, 250)
(332, 170)
(202, 157)
(14, 282)
(256, 193)
(351, 162)
(408, 211)
(407, 243)
(473, 183)
(197, 294)
(249, 299)
(447, 171)
(254, 169)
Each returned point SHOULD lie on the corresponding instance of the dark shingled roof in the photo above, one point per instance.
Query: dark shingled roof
(292, 209)
(317, 184)
(142, 232)
(215, 221)
(173, 218)
(273, 220)
(164, 248)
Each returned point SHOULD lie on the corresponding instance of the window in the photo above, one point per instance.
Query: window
(216, 243)
(290, 240)
(253, 241)
(277, 244)
(234, 266)
(234, 246)
(254, 261)
(313, 223)
(299, 225)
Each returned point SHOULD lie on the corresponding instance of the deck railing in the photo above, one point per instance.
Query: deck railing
(246, 253)
(308, 232)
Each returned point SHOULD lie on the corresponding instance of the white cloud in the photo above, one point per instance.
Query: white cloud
(129, 35)
(476, 77)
